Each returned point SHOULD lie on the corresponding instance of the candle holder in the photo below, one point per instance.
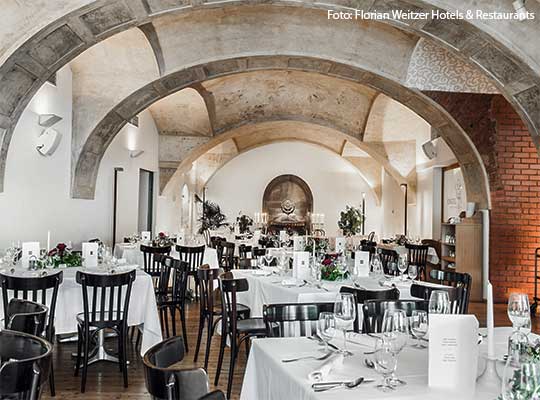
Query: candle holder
(489, 378)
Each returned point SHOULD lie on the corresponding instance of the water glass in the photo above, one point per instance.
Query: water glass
(402, 265)
(439, 302)
(413, 272)
(519, 311)
(269, 257)
(385, 363)
(345, 314)
(395, 329)
(419, 326)
(326, 328)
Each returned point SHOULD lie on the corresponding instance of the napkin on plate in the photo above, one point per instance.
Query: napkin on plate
(322, 372)
(289, 282)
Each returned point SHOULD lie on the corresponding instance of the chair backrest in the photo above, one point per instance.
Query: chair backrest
(42, 290)
(164, 382)
(161, 284)
(417, 254)
(244, 251)
(152, 256)
(180, 276)
(227, 258)
(106, 297)
(207, 237)
(192, 255)
(436, 244)
(206, 277)
(455, 279)
(215, 395)
(293, 319)
(363, 295)
(389, 259)
(258, 252)
(247, 263)
(455, 295)
(215, 240)
(26, 316)
(371, 236)
(25, 365)
(230, 286)
(373, 311)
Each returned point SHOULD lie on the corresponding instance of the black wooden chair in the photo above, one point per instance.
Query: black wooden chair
(258, 252)
(215, 395)
(39, 289)
(25, 367)
(418, 256)
(165, 382)
(215, 240)
(373, 311)
(455, 295)
(27, 317)
(389, 259)
(300, 318)
(245, 251)
(152, 256)
(457, 280)
(363, 295)
(194, 257)
(233, 328)
(247, 263)
(108, 310)
(227, 259)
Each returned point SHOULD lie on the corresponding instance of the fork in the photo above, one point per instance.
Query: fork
(316, 358)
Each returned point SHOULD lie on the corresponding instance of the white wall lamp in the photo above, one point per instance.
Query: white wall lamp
(47, 142)
(135, 153)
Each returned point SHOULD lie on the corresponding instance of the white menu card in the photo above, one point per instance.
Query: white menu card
(453, 353)
(90, 254)
(283, 237)
(30, 250)
(301, 265)
(361, 263)
(299, 243)
(340, 244)
(146, 236)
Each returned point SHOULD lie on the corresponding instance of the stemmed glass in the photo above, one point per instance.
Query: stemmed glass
(413, 272)
(439, 302)
(519, 310)
(376, 266)
(269, 257)
(385, 363)
(326, 328)
(402, 265)
(342, 266)
(419, 326)
(396, 330)
(345, 313)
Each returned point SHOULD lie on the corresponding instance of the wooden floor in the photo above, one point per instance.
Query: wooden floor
(105, 380)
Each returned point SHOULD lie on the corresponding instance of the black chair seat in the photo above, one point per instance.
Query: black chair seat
(251, 325)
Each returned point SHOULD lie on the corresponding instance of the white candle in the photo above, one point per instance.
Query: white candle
(48, 241)
(490, 322)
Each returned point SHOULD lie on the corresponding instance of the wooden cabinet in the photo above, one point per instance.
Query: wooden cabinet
(462, 250)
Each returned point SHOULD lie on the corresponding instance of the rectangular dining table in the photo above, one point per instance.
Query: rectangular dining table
(142, 307)
(268, 378)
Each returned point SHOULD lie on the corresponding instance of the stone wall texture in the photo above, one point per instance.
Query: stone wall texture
(513, 166)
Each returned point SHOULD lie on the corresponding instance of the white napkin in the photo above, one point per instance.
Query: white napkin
(321, 373)
(272, 270)
(260, 272)
(289, 282)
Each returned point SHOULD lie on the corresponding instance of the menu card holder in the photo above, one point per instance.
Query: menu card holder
(340, 244)
(90, 254)
(299, 243)
(301, 265)
(453, 353)
(361, 263)
(30, 250)
(146, 236)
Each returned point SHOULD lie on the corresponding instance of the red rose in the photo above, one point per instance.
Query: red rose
(61, 247)
(327, 261)
(161, 234)
(53, 252)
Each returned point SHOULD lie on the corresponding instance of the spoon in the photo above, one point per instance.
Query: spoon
(346, 385)
(317, 358)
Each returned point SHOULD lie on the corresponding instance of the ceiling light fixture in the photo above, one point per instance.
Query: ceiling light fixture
(48, 120)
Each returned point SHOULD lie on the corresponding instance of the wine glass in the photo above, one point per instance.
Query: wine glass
(419, 326)
(268, 257)
(439, 302)
(519, 311)
(385, 363)
(326, 328)
(395, 328)
(376, 266)
(345, 313)
(342, 266)
(402, 265)
(413, 272)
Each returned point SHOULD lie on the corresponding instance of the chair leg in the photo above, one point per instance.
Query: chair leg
(184, 328)
(202, 318)
(173, 319)
(120, 351)
(51, 381)
(85, 360)
(79, 346)
(234, 354)
(166, 320)
(124, 356)
(209, 333)
(222, 345)
(246, 343)
(139, 336)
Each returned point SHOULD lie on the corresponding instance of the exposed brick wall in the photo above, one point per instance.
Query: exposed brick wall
(513, 167)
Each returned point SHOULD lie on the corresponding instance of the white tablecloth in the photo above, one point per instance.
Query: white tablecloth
(133, 255)
(269, 290)
(142, 306)
(267, 378)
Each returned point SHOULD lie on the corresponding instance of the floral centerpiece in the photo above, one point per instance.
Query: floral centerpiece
(351, 221)
(60, 255)
(521, 386)
(244, 222)
(162, 240)
(329, 268)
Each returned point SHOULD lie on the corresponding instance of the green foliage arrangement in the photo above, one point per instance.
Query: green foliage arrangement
(351, 221)
(212, 218)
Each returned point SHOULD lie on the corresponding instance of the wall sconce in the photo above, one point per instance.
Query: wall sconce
(48, 141)
(135, 153)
